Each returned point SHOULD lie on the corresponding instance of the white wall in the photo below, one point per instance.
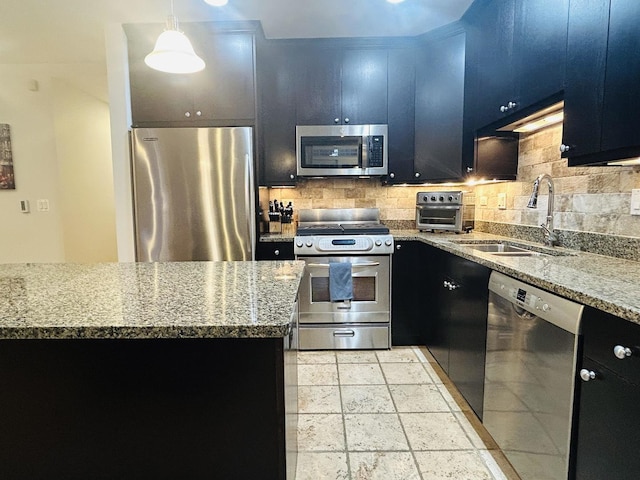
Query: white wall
(69, 98)
(81, 125)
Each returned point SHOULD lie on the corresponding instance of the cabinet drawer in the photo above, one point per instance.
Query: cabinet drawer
(604, 332)
(333, 337)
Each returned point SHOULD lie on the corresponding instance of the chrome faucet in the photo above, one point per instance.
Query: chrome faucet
(550, 237)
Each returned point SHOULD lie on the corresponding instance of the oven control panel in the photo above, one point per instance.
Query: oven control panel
(439, 198)
(355, 244)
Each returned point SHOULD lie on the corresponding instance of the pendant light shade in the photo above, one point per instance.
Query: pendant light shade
(173, 52)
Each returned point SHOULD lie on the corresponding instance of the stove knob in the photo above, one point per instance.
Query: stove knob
(450, 198)
(441, 199)
(299, 244)
(309, 243)
(378, 243)
(433, 199)
(388, 242)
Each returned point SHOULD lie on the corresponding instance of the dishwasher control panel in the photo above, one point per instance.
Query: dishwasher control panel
(529, 299)
(560, 311)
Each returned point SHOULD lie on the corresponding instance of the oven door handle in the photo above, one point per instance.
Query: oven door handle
(326, 265)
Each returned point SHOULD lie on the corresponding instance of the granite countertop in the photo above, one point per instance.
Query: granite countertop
(148, 300)
(607, 283)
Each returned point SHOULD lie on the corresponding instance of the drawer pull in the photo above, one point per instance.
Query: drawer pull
(344, 333)
(621, 352)
(587, 375)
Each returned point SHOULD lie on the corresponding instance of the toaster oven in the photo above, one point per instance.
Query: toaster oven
(447, 211)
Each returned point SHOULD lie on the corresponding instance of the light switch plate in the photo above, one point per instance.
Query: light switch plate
(24, 206)
(502, 201)
(635, 201)
(43, 205)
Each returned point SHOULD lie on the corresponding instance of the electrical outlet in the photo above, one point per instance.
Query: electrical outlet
(502, 201)
(484, 200)
(635, 201)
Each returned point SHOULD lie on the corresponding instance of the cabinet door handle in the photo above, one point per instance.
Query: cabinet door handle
(450, 285)
(276, 252)
(346, 120)
(587, 375)
(187, 114)
(392, 175)
(565, 148)
(336, 120)
(622, 352)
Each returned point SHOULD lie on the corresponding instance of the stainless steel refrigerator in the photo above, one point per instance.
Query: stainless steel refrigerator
(194, 195)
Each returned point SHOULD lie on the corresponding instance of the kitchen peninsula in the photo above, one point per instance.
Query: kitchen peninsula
(148, 370)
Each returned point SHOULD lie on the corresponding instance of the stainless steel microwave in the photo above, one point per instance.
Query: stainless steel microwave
(341, 150)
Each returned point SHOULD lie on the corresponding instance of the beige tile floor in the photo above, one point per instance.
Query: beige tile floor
(387, 415)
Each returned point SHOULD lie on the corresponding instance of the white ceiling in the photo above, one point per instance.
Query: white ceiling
(72, 31)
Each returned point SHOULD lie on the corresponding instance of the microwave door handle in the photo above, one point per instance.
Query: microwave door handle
(353, 265)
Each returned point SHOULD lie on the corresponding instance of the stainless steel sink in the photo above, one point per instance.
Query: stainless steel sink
(497, 248)
(512, 250)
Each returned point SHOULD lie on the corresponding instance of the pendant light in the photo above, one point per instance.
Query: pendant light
(173, 52)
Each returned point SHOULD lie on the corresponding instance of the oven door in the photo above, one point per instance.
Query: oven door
(443, 217)
(371, 291)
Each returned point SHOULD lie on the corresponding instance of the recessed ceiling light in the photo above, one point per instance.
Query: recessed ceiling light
(395, 1)
(217, 3)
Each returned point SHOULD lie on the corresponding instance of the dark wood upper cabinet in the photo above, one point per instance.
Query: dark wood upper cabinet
(318, 90)
(364, 86)
(516, 53)
(539, 49)
(339, 84)
(584, 93)
(490, 30)
(601, 97)
(277, 75)
(222, 94)
(401, 114)
(621, 121)
(440, 77)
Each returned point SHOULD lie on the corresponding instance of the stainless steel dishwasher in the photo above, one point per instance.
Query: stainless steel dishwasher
(532, 343)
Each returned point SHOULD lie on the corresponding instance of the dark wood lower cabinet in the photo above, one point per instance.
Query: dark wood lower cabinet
(147, 409)
(608, 432)
(412, 293)
(440, 300)
(458, 336)
(275, 251)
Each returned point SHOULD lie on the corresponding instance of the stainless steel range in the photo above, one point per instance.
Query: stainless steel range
(357, 239)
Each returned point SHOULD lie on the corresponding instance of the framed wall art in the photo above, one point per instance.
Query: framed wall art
(7, 180)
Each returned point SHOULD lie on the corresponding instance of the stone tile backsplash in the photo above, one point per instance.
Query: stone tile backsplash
(588, 200)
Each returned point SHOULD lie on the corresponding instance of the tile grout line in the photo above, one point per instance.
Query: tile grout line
(344, 422)
(404, 431)
(492, 469)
